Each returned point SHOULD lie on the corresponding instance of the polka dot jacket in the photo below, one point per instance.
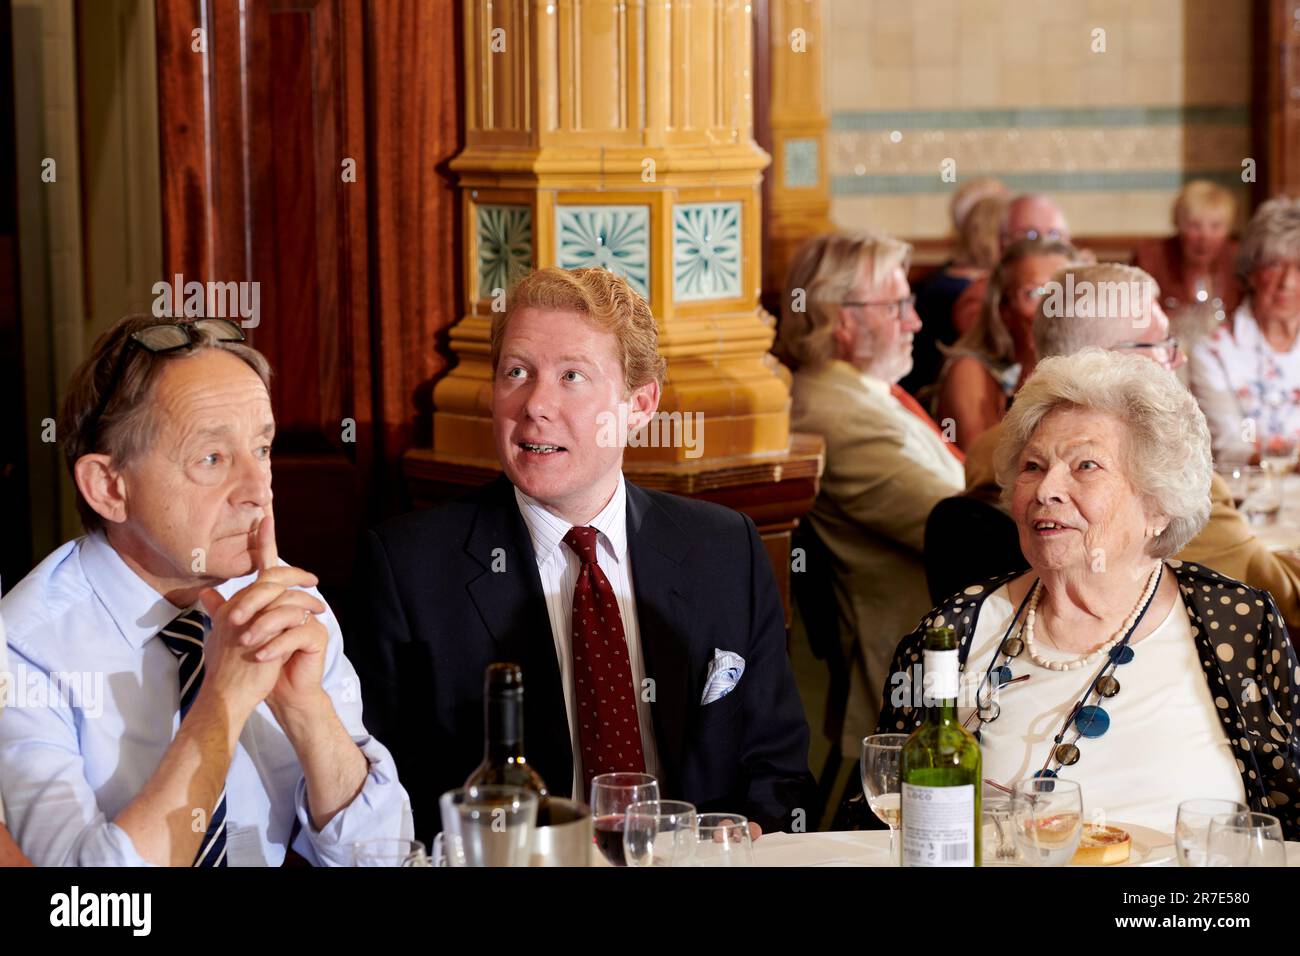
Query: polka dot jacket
(1248, 661)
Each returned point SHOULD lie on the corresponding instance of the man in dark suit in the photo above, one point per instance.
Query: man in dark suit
(570, 571)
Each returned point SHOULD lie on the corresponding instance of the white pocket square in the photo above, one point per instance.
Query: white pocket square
(724, 674)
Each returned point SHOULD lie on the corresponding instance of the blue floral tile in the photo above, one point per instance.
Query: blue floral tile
(616, 238)
(505, 246)
(800, 163)
(706, 251)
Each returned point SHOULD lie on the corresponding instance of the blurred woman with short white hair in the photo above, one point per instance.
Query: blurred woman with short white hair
(1149, 681)
(1246, 375)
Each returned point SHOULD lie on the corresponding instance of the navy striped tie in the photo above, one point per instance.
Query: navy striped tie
(184, 637)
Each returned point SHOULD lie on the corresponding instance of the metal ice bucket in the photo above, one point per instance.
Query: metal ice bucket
(564, 834)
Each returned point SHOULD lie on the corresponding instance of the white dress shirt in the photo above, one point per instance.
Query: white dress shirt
(95, 705)
(558, 567)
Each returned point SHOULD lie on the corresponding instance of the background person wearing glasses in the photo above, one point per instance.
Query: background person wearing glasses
(1226, 543)
(987, 364)
(228, 725)
(1028, 216)
(886, 462)
(1246, 375)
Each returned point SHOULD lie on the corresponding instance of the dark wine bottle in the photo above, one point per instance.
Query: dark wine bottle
(504, 763)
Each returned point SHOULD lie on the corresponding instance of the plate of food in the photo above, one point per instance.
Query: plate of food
(1112, 844)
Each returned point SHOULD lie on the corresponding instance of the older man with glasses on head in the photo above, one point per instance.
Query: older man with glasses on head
(197, 709)
(1140, 327)
(847, 332)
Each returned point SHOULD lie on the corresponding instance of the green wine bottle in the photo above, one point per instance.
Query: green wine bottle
(940, 768)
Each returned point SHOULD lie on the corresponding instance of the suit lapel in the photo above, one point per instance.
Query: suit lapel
(509, 598)
(658, 547)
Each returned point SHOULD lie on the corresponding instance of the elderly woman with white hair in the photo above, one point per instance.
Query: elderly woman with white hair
(1246, 375)
(1146, 680)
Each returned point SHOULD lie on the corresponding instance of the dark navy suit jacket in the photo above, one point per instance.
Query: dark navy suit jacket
(432, 614)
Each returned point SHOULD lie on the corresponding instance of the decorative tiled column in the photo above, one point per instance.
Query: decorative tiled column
(618, 133)
(798, 191)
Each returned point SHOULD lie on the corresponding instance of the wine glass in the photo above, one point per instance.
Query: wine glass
(488, 825)
(724, 840)
(660, 833)
(880, 781)
(1279, 452)
(611, 795)
(1192, 827)
(1245, 839)
(1047, 819)
(389, 852)
(1236, 477)
(1263, 495)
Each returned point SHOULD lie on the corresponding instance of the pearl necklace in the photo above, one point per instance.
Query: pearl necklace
(1084, 661)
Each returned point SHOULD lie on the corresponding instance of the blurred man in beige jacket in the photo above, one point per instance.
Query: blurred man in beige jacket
(847, 332)
(1226, 544)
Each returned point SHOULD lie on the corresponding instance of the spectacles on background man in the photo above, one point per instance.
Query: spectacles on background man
(1168, 348)
(897, 307)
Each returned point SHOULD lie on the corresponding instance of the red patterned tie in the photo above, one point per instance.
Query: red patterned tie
(608, 728)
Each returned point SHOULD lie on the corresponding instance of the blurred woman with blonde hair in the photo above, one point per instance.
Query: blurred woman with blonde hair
(1195, 268)
(987, 364)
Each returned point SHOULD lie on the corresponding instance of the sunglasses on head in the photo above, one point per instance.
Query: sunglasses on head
(159, 339)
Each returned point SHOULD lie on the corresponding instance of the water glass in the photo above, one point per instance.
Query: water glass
(1263, 495)
(488, 826)
(1192, 827)
(1245, 839)
(660, 833)
(1236, 476)
(390, 852)
(1047, 819)
(724, 840)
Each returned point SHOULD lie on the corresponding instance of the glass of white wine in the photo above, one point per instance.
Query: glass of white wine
(881, 782)
(1047, 819)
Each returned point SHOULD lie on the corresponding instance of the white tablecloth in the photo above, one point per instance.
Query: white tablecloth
(866, 848)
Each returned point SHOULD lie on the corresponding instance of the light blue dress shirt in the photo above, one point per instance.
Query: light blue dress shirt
(93, 704)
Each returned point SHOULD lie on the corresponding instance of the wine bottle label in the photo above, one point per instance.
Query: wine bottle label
(938, 825)
(942, 677)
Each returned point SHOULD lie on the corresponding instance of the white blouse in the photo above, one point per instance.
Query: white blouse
(1247, 390)
(1165, 743)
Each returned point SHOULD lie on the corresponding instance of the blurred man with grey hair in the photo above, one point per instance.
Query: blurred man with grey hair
(1029, 216)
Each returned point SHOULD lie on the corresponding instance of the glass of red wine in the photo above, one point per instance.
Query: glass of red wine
(611, 795)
